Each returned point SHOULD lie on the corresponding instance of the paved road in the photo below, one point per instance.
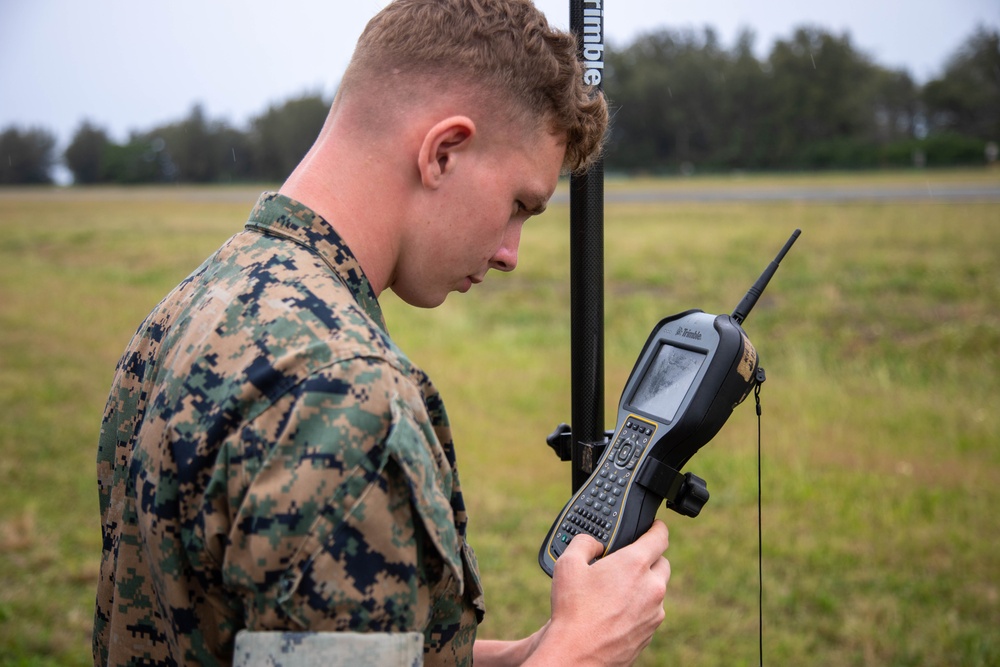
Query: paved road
(672, 191)
(744, 193)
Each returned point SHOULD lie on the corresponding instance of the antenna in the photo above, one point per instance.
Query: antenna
(750, 300)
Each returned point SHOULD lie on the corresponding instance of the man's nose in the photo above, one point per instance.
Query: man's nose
(505, 258)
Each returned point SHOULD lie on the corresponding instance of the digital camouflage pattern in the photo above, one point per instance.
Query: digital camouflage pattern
(270, 460)
(327, 649)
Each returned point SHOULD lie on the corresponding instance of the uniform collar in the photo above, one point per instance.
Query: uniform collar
(278, 215)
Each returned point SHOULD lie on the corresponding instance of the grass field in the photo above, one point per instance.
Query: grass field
(881, 463)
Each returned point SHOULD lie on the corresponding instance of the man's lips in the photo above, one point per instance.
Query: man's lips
(468, 282)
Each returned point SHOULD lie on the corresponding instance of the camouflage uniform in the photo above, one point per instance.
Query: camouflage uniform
(270, 460)
(328, 649)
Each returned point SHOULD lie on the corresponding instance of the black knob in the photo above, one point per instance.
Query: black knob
(561, 442)
(692, 496)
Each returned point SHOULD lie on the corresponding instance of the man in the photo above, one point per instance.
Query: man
(269, 459)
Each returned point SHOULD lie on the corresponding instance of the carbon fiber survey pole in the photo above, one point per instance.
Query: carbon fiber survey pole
(586, 18)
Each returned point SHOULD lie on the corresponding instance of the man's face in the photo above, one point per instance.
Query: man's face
(475, 224)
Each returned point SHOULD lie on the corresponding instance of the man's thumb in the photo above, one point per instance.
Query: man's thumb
(584, 548)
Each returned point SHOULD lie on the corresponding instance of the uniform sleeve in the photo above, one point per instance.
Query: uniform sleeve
(345, 522)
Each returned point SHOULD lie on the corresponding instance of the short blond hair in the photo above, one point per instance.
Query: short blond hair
(503, 49)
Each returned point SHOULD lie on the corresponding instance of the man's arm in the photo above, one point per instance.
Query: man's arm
(592, 622)
(500, 653)
(347, 524)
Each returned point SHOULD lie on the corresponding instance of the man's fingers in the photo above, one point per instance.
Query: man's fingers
(584, 547)
(648, 548)
(653, 542)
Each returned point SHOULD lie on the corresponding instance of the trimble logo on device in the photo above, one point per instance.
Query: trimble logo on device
(593, 42)
(688, 333)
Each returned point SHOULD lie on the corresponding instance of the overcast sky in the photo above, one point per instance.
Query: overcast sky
(134, 64)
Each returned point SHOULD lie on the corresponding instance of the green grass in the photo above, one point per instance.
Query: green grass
(881, 466)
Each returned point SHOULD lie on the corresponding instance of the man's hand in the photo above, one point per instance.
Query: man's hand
(604, 612)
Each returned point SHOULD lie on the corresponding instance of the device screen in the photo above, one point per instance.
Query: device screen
(666, 381)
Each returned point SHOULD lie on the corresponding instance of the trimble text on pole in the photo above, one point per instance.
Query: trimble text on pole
(593, 42)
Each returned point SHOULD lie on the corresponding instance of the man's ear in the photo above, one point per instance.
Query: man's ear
(441, 147)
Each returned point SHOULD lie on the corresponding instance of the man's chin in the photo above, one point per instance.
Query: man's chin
(421, 300)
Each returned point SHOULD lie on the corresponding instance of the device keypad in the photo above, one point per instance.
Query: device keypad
(632, 440)
(597, 507)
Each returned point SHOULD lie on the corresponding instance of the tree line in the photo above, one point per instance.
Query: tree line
(195, 149)
(684, 102)
(680, 102)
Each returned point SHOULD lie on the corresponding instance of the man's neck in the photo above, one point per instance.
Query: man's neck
(356, 194)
